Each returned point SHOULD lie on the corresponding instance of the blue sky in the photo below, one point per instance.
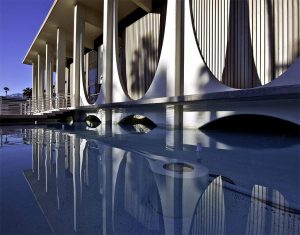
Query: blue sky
(20, 21)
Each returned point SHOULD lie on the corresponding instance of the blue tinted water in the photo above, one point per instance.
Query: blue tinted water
(63, 180)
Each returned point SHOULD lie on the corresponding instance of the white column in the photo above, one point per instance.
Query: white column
(78, 52)
(49, 76)
(41, 81)
(108, 26)
(179, 48)
(34, 85)
(60, 65)
(108, 47)
(174, 114)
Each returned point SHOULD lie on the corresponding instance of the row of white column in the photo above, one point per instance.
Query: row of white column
(42, 68)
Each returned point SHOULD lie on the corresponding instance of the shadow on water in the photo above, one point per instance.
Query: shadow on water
(253, 131)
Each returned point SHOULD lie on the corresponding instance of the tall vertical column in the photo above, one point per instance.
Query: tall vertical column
(41, 77)
(34, 86)
(60, 66)
(174, 113)
(108, 27)
(49, 77)
(78, 51)
(179, 48)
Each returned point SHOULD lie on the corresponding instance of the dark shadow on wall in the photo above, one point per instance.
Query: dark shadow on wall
(143, 67)
(240, 70)
(144, 43)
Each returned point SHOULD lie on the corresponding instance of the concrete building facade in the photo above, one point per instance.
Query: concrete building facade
(179, 63)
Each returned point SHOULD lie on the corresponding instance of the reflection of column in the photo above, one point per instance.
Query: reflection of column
(174, 116)
(60, 169)
(282, 220)
(34, 150)
(257, 212)
(75, 145)
(209, 216)
(264, 218)
(83, 156)
(174, 139)
(40, 152)
(48, 156)
(78, 51)
(100, 170)
(107, 195)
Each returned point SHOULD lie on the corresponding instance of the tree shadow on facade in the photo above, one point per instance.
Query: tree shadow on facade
(140, 47)
(142, 67)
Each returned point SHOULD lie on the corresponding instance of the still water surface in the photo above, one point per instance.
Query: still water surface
(111, 180)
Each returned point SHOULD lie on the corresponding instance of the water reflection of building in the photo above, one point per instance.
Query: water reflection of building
(90, 186)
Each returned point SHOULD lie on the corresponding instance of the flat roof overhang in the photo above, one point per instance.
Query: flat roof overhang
(61, 15)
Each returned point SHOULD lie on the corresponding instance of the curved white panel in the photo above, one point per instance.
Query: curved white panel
(163, 82)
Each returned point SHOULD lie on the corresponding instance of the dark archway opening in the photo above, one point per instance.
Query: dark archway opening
(92, 121)
(137, 124)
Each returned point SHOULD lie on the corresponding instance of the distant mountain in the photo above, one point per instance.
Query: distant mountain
(16, 95)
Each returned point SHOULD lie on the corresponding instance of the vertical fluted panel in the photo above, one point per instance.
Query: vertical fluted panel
(141, 49)
(275, 36)
(210, 23)
(247, 43)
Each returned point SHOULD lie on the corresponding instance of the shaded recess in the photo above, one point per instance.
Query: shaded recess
(253, 123)
(137, 124)
(91, 81)
(92, 121)
(253, 132)
(140, 42)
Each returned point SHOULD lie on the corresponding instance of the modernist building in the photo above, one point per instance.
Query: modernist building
(174, 61)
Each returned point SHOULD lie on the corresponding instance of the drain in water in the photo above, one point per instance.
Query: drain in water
(178, 167)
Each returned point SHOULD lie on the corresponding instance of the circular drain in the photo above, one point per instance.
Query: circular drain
(178, 167)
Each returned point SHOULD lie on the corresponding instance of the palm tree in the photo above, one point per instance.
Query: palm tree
(27, 92)
(6, 89)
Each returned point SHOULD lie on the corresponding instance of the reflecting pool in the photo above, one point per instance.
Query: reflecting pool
(115, 180)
